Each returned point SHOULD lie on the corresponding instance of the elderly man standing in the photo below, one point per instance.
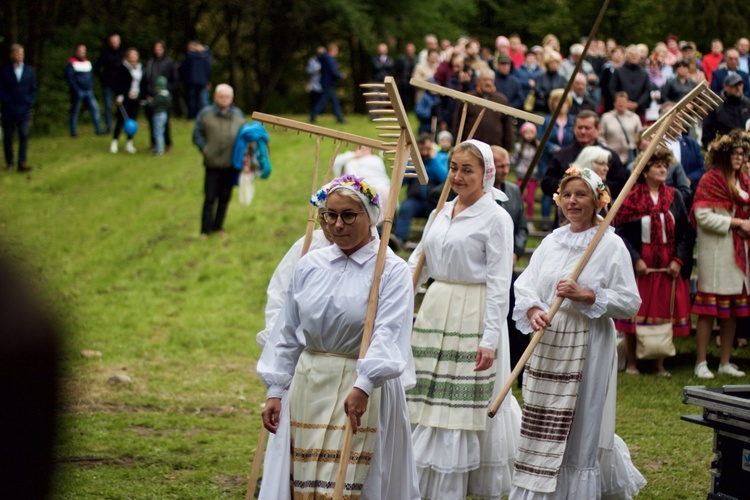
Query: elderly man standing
(215, 130)
(632, 79)
(730, 67)
(18, 90)
(495, 128)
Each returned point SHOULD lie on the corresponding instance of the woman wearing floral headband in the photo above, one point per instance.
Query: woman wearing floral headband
(720, 213)
(326, 305)
(460, 338)
(654, 226)
(568, 448)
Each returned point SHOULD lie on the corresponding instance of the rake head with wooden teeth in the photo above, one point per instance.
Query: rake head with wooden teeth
(690, 110)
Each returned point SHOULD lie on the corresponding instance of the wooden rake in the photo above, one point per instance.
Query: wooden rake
(320, 133)
(476, 101)
(699, 101)
(393, 126)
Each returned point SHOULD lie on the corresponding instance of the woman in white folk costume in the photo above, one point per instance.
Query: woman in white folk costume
(276, 462)
(568, 448)
(326, 306)
(460, 339)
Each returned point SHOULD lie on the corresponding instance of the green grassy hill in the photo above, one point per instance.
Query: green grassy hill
(113, 242)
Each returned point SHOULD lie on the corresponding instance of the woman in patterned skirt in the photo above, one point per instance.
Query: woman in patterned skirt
(720, 213)
(654, 226)
(460, 339)
(313, 351)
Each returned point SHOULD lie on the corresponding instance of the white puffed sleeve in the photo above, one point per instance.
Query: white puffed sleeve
(499, 252)
(526, 290)
(614, 285)
(277, 289)
(415, 255)
(280, 354)
(390, 345)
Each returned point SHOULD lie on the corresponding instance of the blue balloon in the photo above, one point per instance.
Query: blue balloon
(130, 127)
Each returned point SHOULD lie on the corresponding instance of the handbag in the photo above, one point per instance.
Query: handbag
(247, 188)
(632, 152)
(655, 341)
(528, 104)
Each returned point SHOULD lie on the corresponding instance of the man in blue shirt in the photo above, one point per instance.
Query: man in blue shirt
(329, 76)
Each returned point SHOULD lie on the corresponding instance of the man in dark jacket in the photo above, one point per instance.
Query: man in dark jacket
(402, 73)
(505, 82)
(195, 73)
(159, 65)
(733, 113)
(730, 67)
(18, 90)
(79, 75)
(633, 80)
(105, 68)
(495, 128)
(329, 76)
(586, 130)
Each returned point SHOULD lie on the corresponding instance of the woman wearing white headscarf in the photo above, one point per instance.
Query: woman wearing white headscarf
(568, 448)
(326, 306)
(460, 339)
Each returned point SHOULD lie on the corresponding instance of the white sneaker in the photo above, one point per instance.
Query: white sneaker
(129, 147)
(702, 371)
(730, 369)
(113, 146)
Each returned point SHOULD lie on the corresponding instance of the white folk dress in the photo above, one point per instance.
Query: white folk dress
(275, 467)
(326, 305)
(596, 463)
(460, 451)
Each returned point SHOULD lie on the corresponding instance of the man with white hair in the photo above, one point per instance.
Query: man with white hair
(569, 64)
(216, 128)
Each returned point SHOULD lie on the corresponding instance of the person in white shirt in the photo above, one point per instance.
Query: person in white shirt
(568, 448)
(363, 163)
(460, 338)
(326, 304)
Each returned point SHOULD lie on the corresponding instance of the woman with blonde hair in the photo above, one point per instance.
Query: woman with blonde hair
(561, 135)
(548, 81)
(460, 338)
(568, 448)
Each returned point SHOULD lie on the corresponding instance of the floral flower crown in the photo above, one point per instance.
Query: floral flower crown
(594, 181)
(350, 181)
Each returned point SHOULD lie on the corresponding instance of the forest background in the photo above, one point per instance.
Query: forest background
(260, 47)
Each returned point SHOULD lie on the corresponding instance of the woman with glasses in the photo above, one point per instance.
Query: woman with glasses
(654, 226)
(721, 209)
(460, 338)
(313, 351)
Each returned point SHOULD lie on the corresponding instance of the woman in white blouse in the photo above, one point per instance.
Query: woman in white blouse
(568, 448)
(460, 338)
(326, 305)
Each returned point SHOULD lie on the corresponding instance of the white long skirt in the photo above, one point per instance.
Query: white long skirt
(596, 463)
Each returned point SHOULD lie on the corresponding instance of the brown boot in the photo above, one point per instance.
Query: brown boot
(9, 168)
(22, 167)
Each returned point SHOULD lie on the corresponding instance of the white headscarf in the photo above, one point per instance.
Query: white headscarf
(488, 185)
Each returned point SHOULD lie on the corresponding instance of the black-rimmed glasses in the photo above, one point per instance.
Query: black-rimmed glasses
(347, 218)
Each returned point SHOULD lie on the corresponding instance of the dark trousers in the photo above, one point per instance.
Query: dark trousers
(197, 99)
(10, 124)
(328, 94)
(518, 342)
(130, 107)
(108, 97)
(218, 191)
(167, 128)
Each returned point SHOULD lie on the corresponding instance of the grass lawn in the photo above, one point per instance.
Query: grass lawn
(113, 242)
